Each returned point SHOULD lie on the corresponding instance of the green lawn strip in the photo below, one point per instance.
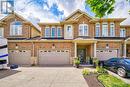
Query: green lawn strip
(111, 81)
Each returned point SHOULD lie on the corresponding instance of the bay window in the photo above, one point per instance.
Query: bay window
(53, 32)
(16, 28)
(104, 29)
(47, 32)
(59, 32)
(83, 30)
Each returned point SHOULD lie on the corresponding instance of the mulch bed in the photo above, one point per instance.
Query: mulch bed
(92, 80)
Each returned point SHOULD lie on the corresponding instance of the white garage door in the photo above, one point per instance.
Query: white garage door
(106, 54)
(20, 57)
(53, 57)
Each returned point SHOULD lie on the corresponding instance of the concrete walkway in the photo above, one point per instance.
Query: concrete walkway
(126, 80)
(42, 77)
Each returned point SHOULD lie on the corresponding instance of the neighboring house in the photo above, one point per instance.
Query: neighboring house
(79, 35)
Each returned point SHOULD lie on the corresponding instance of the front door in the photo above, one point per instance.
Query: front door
(82, 55)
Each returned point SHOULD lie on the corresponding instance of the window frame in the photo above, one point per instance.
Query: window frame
(83, 30)
(15, 29)
(46, 31)
(2, 33)
(112, 29)
(59, 28)
(97, 27)
(123, 33)
(104, 34)
(55, 31)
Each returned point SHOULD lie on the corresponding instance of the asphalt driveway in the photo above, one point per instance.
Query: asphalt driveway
(42, 77)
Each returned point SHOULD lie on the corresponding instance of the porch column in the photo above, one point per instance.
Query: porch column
(124, 50)
(95, 48)
(75, 49)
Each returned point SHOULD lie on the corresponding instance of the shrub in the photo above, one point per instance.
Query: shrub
(95, 62)
(85, 72)
(101, 70)
(77, 62)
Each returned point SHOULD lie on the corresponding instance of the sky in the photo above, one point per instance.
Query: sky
(57, 10)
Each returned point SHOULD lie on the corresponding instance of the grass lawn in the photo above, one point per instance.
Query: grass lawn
(111, 81)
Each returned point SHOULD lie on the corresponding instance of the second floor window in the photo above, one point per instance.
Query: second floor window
(112, 29)
(122, 33)
(53, 32)
(47, 32)
(16, 28)
(1, 32)
(83, 30)
(97, 29)
(59, 32)
(104, 29)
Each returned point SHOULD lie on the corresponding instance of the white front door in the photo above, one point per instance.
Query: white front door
(53, 57)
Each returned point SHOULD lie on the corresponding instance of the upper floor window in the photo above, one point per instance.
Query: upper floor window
(122, 32)
(97, 29)
(83, 30)
(112, 29)
(59, 32)
(1, 32)
(104, 29)
(53, 32)
(47, 32)
(16, 28)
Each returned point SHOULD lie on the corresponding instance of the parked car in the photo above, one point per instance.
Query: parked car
(119, 65)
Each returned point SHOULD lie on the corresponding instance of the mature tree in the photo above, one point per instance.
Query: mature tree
(101, 7)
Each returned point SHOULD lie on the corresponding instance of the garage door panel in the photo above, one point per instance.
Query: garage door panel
(20, 57)
(53, 57)
(106, 54)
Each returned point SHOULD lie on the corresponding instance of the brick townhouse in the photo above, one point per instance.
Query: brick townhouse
(78, 35)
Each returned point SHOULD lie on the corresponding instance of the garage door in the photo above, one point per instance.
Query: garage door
(106, 54)
(53, 57)
(20, 57)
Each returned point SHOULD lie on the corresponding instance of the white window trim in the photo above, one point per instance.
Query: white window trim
(45, 31)
(96, 29)
(2, 31)
(114, 29)
(66, 35)
(102, 29)
(11, 31)
(124, 33)
(55, 33)
(60, 31)
(87, 34)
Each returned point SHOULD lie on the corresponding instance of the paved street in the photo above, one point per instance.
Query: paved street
(42, 77)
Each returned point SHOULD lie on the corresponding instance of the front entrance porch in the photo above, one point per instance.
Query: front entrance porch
(85, 51)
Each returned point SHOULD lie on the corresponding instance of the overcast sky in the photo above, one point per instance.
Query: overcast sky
(57, 10)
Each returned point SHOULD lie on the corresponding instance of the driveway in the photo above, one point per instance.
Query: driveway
(42, 77)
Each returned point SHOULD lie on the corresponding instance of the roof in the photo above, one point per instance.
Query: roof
(15, 14)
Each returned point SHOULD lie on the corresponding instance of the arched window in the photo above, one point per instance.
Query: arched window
(83, 30)
(16, 28)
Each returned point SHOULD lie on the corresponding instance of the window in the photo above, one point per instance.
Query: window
(47, 32)
(69, 31)
(16, 28)
(122, 32)
(59, 32)
(112, 29)
(83, 30)
(1, 32)
(97, 29)
(53, 32)
(104, 29)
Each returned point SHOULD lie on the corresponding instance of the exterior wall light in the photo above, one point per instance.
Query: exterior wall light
(16, 46)
(53, 46)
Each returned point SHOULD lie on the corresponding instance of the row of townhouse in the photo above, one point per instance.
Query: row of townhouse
(78, 35)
